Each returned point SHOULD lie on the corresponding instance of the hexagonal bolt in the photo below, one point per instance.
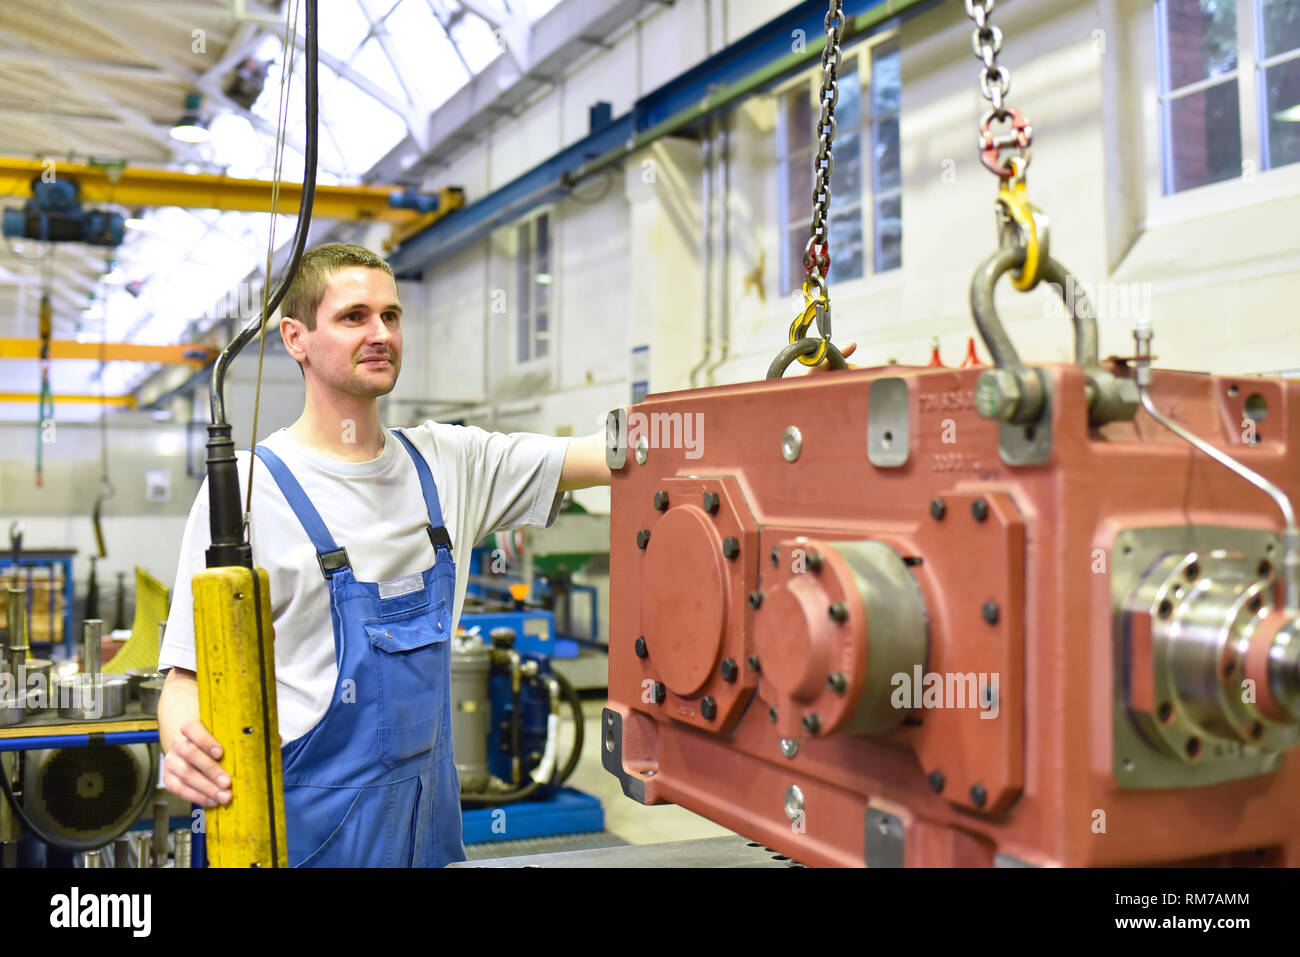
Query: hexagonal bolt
(661, 501)
(812, 724)
(776, 555)
(709, 708)
(990, 612)
(754, 665)
(711, 502)
(660, 692)
(978, 795)
(980, 509)
(938, 509)
(729, 669)
(771, 714)
(839, 612)
(641, 650)
(643, 538)
(730, 548)
(814, 561)
(936, 782)
(997, 394)
(837, 682)
(755, 599)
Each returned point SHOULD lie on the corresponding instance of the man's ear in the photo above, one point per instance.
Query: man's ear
(292, 331)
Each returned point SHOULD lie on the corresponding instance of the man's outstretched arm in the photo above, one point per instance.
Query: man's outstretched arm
(584, 463)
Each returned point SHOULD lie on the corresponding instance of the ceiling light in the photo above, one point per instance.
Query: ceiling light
(191, 128)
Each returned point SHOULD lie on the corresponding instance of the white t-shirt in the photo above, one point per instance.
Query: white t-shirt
(486, 481)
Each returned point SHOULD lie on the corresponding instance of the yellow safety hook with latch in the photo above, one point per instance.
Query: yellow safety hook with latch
(814, 311)
(1013, 207)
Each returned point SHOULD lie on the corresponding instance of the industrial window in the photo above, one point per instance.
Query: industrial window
(533, 281)
(1229, 74)
(863, 209)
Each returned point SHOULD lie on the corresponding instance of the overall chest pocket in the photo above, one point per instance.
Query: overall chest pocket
(412, 671)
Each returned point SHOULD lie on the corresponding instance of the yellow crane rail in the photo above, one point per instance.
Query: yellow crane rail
(117, 401)
(191, 353)
(132, 186)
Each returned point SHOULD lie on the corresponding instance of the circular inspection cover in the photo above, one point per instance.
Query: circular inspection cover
(683, 599)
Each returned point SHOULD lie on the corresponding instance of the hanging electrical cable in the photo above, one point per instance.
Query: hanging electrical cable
(45, 408)
(106, 489)
(232, 612)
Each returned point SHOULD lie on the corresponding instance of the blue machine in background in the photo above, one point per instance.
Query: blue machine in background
(55, 214)
(506, 706)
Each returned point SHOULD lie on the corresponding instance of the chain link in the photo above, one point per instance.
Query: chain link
(816, 257)
(995, 80)
(995, 84)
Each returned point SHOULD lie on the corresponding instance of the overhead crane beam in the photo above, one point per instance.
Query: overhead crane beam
(117, 401)
(134, 186)
(192, 354)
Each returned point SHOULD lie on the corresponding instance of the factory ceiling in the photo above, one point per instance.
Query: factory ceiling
(105, 81)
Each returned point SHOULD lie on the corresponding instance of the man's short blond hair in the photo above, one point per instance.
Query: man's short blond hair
(313, 276)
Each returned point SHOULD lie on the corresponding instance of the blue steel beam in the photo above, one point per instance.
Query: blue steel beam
(653, 114)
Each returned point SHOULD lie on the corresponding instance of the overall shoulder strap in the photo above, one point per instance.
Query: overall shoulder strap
(330, 556)
(437, 533)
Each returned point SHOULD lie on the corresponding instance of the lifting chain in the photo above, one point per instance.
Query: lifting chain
(1018, 222)
(817, 253)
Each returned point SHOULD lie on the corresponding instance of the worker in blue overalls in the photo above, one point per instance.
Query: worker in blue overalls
(365, 535)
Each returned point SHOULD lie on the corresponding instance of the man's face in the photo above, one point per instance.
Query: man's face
(356, 347)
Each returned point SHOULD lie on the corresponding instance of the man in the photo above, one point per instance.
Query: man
(365, 535)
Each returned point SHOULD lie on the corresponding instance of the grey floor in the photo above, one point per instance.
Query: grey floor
(626, 821)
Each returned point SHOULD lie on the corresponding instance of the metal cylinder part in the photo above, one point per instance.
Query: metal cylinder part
(35, 674)
(90, 654)
(471, 660)
(89, 697)
(142, 848)
(122, 852)
(17, 615)
(160, 833)
(13, 704)
(150, 693)
(182, 844)
(135, 677)
(92, 859)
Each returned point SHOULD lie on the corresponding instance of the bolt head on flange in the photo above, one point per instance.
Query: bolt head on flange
(661, 501)
(997, 394)
(730, 548)
(643, 538)
(711, 502)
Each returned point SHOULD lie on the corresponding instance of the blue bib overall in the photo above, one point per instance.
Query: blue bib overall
(374, 783)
